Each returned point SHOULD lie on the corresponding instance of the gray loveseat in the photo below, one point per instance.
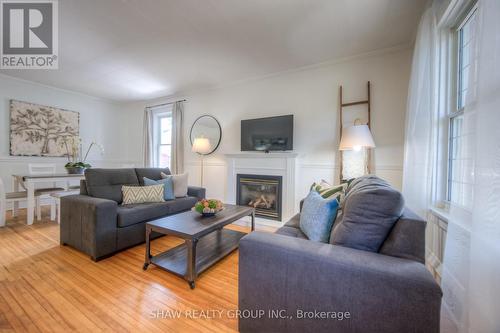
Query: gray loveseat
(317, 284)
(96, 223)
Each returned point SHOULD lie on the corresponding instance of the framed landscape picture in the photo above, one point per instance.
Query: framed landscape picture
(38, 130)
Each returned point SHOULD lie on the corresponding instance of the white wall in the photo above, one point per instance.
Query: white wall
(103, 121)
(311, 94)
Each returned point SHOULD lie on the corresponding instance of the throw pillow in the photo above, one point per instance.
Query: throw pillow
(370, 210)
(317, 217)
(328, 191)
(180, 184)
(168, 191)
(142, 194)
(347, 182)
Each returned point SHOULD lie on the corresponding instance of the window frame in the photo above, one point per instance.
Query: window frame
(158, 116)
(456, 110)
(472, 10)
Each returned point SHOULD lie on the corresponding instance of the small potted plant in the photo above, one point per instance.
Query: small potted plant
(77, 165)
(208, 207)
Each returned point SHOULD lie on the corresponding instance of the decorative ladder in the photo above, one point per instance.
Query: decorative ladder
(342, 106)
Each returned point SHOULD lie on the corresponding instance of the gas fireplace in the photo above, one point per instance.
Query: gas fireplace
(261, 192)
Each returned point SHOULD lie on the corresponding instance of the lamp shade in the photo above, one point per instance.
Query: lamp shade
(201, 146)
(356, 137)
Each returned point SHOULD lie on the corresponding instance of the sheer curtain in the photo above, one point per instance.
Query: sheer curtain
(471, 265)
(148, 140)
(422, 118)
(152, 135)
(471, 271)
(177, 154)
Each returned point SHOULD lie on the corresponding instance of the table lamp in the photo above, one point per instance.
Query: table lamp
(356, 137)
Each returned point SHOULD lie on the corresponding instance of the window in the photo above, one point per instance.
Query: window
(162, 136)
(164, 147)
(459, 187)
(467, 52)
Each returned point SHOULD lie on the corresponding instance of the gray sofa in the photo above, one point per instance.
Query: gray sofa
(385, 291)
(96, 223)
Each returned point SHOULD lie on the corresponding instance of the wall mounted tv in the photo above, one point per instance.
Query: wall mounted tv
(267, 134)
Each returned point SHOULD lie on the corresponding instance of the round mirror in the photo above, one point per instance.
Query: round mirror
(205, 135)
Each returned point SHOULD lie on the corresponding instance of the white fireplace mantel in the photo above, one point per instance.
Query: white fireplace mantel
(282, 164)
(263, 155)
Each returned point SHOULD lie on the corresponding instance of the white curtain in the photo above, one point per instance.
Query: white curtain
(177, 154)
(148, 140)
(422, 119)
(471, 272)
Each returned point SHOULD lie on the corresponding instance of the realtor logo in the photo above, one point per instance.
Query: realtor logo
(29, 34)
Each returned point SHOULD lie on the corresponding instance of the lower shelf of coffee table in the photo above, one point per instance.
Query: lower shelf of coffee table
(210, 249)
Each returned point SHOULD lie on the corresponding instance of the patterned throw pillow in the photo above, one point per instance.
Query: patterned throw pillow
(347, 182)
(328, 191)
(317, 217)
(142, 194)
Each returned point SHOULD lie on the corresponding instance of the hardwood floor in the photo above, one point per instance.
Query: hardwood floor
(48, 287)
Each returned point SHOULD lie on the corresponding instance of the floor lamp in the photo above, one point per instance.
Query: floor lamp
(202, 147)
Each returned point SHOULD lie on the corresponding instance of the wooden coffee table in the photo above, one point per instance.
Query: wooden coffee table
(205, 240)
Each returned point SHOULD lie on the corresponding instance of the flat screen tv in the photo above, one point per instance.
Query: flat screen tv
(267, 134)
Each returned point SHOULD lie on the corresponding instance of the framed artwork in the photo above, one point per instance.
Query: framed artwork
(38, 130)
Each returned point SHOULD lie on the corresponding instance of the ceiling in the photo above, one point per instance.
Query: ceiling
(127, 50)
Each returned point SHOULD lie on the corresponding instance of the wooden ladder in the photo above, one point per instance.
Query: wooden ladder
(342, 106)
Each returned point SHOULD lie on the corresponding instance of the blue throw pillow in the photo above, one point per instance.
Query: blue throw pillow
(317, 217)
(168, 185)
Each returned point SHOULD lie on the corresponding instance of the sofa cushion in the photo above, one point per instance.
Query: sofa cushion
(335, 223)
(107, 183)
(294, 221)
(407, 238)
(137, 213)
(181, 204)
(317, 217)
(151, 173)
(291, 232)
(168, 186)
(370, 209)
(180, 184)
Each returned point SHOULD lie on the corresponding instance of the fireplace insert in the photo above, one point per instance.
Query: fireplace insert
(261, 192)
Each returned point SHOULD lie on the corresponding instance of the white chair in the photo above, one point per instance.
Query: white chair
(70, 187)
(8, 197)
(57, 199)
(44, 169)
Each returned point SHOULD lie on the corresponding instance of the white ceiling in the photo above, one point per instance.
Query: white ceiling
(128, 50)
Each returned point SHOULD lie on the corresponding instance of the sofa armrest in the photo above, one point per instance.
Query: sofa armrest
(198, 192)
(380, 293)
(89, 224)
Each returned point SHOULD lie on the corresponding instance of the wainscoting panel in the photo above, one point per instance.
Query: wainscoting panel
(392, 173)
(310, 173)
(214, 177)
